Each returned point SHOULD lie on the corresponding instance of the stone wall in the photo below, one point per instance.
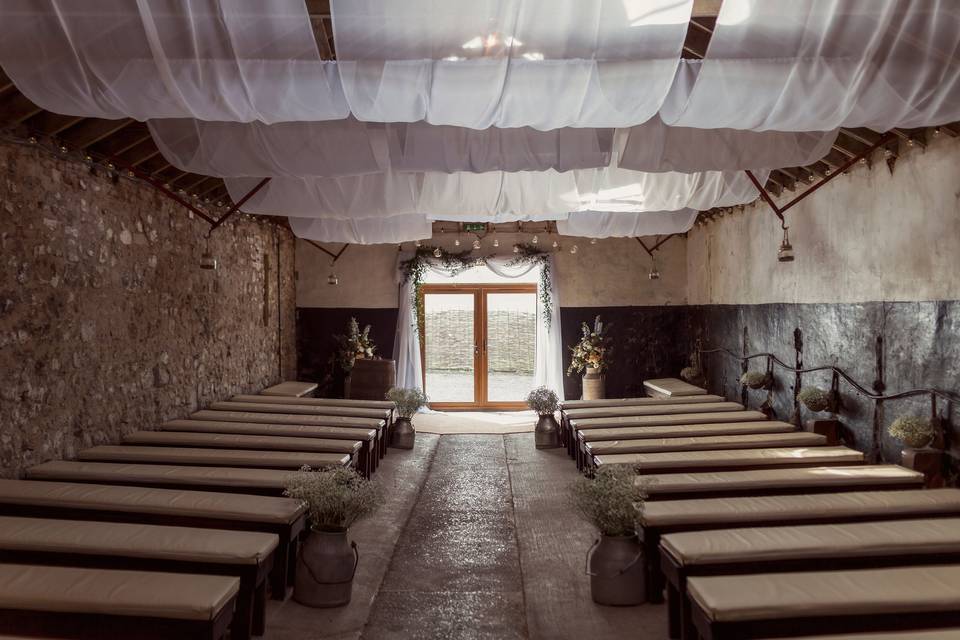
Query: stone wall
(107, 323)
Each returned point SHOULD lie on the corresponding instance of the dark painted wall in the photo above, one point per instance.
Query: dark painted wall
(316, 329)
(902, 345)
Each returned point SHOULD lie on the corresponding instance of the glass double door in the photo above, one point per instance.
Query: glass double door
(478, 344)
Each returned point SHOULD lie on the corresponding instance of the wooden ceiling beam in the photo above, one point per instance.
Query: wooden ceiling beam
(860, 136)
(90, 131)
(122, 141)
(138, 154)
(50, 124)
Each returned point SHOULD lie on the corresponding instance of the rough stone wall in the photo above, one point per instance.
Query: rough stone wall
(107, 323)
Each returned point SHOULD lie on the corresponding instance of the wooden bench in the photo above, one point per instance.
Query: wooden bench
(359, 451)
(369, 434)
(284, 517)
(822, 602)
(246, 555)
(266, 482)
(285, 419)
(92, 604)
(675, 431)
(733, 459)
(672, 387)
(934, 634)
(658, 519)
(213, 457)
(300, 409)
(817, 547)
(290, 388)
(789, 481)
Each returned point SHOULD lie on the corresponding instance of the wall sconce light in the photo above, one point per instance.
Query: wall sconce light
(785, 254)
(207, 261)
(332, 279)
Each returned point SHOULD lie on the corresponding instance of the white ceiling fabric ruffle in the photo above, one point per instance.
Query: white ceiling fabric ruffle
(389, 229)
(602, 224)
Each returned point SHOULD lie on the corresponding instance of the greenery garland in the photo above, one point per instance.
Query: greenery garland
(415, 269)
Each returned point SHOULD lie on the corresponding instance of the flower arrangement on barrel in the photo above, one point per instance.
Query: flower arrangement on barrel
(592, 354)
(354, 345)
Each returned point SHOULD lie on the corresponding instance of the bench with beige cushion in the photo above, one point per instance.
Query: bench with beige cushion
(267, 482)
(247, 555)
(299, 409)
(317, 402)
(732, 459)
(815, 547)
(213, 457)
(72, 602)
(706, 443)
(357, 450)
(571, 405)
(822, 602)
(672, 387)
(758, 482)
(368, 434)
(291, 389)
(653, 410)
(660, 518)
(676, 431)
(284, 517)
(285, 419)
(934, 634)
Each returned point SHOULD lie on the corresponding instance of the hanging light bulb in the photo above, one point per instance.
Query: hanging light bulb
(437, 253)
(332, 279)
(556, 245)
(593, 241)
(207, 260)
(785, 254)
(535, 239)
(654, 272)
(516, 248)
(496, 241)
(456, 242)
(418, 244)
(476, 243)
(573, 249)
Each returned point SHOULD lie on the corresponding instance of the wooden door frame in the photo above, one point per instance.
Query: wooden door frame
(480, 361)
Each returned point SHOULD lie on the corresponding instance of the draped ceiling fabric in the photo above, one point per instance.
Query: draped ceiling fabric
(389, 229)
(809, 65)
(601, 224)
(513, 63)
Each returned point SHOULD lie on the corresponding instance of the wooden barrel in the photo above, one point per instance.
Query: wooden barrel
(593, 388)
(370, 379)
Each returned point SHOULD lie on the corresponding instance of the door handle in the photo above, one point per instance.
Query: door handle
(476, 351)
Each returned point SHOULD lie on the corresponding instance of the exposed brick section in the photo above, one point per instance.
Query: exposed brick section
(107, 323)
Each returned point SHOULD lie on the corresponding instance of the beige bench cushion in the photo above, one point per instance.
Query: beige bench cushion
(709, 443)
(797, 508)
(299, 409)
(317, 402)
(575, 405)
(935, 634)
(862, 592)
(711, 417)
(222, 457)
(860, 475)
(686, 430)
(121, 472)
(179, 596)
(858, 539)
(178, 544)
(262, 429)
(784, 457)
(287, 419)
(176, 502)
(241, 441)
(671, 387)
(653, 410)
(290, 388)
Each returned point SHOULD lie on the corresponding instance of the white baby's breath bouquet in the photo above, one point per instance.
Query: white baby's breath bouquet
(336, 498)
(543, 400)
(611, 501)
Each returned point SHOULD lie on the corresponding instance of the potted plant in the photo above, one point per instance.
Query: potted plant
(336, 499)
(591, 355)
(756, 379)
(545, 402)
(407, 403)
(913, 431)
(612, 502)
(355, 345)
(814, 398)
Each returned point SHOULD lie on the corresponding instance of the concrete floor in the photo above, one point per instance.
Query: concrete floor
(477, 541)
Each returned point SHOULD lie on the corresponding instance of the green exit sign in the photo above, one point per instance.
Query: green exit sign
(474, 227)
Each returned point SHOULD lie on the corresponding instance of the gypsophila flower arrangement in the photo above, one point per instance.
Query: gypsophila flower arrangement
(690, 374)
(754, 379)
(356, 344)
(407, 401)
(543, 400)
(593, 350)
(612, 501)
(913, 431)
(814, 398)
(336, 498)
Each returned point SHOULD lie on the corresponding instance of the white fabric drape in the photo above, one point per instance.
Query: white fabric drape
(241, 60)
(495, 195)
(509, 63)
(548, 365)
(254, 149)
(403, 228)
(653, 146)
(600, 224)
(809, 65)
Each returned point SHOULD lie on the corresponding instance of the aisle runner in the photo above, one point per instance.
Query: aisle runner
(495, 422)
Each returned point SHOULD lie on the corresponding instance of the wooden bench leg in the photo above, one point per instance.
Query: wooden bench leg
(278, 574)
(242, 625)
(674, 623)
(259, 623)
